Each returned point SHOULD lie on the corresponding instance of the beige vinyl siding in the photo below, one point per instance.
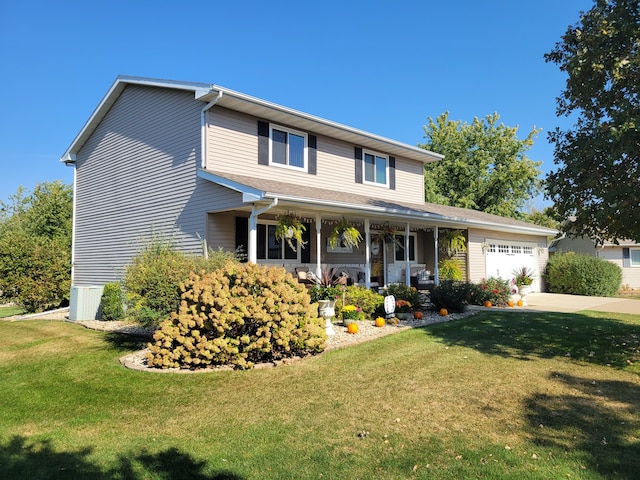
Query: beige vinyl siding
(477, 258)
(232, 147)
(630, 275)
(136, 179)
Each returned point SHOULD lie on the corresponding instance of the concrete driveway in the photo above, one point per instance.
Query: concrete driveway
(556, 302)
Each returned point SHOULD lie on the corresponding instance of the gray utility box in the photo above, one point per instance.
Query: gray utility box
(85, 302)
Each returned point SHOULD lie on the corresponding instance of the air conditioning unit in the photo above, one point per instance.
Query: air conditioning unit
(84, 303)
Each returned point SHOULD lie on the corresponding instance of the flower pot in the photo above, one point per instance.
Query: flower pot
(524, 290)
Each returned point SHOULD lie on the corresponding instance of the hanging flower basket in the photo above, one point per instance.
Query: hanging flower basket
(345, 234)
(290, 229)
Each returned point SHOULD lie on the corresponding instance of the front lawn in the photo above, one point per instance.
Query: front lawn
(9, 311)
(503, 394)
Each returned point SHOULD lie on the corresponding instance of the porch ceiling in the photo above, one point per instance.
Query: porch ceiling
(305, 201)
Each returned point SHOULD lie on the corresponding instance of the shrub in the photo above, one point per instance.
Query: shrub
(409, 294)
(492, 289)
(450, 269)
(581, 274)
(35, 271)
(452, 296)
(367, 300)
(152, 281)
(238, 315)
(112, 302)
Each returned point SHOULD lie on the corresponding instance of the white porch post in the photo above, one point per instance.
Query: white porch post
(436, 276)
(253, 239)
(318, 245)
(367, 254)
(407, 262)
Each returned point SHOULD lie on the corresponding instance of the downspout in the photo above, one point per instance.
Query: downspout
(203, 129)
(253, 228)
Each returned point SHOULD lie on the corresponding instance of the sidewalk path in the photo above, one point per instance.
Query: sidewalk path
(556, 302)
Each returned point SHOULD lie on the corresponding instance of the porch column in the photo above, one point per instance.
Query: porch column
(252, 253)
(367, 254)
(318, 245)
(436, 276)
(407, 262)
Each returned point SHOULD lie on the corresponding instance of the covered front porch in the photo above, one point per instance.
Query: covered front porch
(391, 250)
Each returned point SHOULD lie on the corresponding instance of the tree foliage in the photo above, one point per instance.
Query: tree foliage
(35, 246)
(597, 182)
(485, 167)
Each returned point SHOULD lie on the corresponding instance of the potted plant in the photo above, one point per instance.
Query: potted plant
(403, 309)
(345, 234)
(523, 280)
(290, 228)
(351, 314)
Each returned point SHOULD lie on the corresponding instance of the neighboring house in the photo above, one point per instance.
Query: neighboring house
(210, 167)
(626, 255)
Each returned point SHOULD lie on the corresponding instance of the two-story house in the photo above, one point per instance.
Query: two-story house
(209, 167)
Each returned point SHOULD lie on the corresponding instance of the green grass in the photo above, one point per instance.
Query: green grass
(10, 311)
(503, 394)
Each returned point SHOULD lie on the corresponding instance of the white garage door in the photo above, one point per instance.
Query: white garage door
(503, 257)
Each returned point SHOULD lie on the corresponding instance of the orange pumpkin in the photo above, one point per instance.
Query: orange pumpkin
(417, 315)
(510, 303)
(352, 328)
(444, 312)
(395, 320)
(380, 322)
(520, 303)
(487, 303)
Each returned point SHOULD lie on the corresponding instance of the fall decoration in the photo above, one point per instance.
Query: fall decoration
(380, 322)
(417, 315)
(352, 328)
(520, 303)
(444, 312)
(487, 303)
(510, 303)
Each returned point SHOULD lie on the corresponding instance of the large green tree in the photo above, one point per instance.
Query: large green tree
(597, 182)
(484, 167)
(35, 246)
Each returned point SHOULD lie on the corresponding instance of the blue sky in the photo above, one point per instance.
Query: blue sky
(380, 66)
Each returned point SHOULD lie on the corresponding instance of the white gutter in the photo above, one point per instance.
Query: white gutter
(203, 129)
(253, 230)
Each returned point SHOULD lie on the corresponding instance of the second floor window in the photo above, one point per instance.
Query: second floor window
(288, 147)
(375, 168)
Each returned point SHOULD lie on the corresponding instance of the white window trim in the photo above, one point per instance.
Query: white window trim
(386, 174)
(306, 148)
(631, 263)
(283, 245)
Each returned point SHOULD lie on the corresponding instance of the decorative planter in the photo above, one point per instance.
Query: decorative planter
(524, 290)
(326, 309)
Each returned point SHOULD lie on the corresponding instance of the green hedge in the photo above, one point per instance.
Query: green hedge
(581, 274)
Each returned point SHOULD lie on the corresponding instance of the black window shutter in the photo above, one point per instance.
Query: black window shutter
(392, 173)
(263, 143)
(358, 160)
(312, 155)
(626, 257)
(305, 254)
(242, 236)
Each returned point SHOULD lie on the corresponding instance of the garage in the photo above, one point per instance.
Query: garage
(503, 257)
